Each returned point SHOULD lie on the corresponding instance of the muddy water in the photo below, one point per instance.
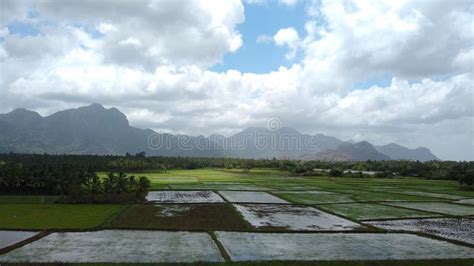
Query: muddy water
(450, 228)
(183, 197)
(293, 217)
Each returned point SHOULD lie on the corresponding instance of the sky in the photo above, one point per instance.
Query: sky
(382, 71)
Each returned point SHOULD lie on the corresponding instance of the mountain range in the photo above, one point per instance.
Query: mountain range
(94, 129)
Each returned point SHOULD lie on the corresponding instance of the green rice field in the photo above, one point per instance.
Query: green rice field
(185, 213)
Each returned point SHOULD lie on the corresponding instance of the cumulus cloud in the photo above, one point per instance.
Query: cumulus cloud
(152, 59)
(288, 37)
(177, 32)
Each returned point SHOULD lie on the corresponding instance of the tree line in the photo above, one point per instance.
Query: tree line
(37, 170)
(69, 177)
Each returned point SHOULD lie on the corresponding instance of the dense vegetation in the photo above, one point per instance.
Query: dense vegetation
(113, 189)
(68, 174)
(73, 178)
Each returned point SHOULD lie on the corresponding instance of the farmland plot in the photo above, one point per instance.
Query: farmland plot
(290, 217)
(55, 216)
(118, 246)
(434, 195)
(466, 201)
(439, 207)
(216, 216)
(341, 246)
(368, 211)
(451, 228)
(218, 186)
(314, 197)
(8, 238)
(250, 197)
(183, 197)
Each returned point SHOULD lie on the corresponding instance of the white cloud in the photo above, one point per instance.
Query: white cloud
(289, 3)
(263, 38)
(182, 32)
(153, 63)
(289, 37)
(105, 28)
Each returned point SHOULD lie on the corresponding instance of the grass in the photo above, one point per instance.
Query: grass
(365, 195)
(180, 217)
(371, 197)
(440, 207)
(367, 211)
(54, 216)
(314, 198)
(344, 189)
(27, 199)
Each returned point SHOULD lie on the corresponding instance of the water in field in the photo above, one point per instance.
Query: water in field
(461, 229)
(183, 197)
(243, 246)
(8, 238)
(292, 217)
(250, 197)
(118, 246)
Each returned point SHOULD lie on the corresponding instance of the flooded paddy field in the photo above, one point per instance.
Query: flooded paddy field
(438, 207)
(375, 195)
(118, 246)
(313, 197)
(250, 197)
(466, 201)
(368, 211)
(257, 217)
(461, 229)
(291, 217)
(8, 238)
(183, 197)
(214, 216)
(339, 246)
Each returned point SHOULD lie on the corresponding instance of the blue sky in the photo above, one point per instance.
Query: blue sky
(253, 57)
(264, 19)
(62, 54)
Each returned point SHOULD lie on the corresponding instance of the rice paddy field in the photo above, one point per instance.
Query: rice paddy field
(216, 216)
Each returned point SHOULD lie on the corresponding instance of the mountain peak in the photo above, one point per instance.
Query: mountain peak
(96, 129)
(96, 106)
(361, 151)
(23, 111)
(21, 114)
(398, 152)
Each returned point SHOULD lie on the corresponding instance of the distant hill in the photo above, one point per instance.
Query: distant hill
(397, 152)
(89, 130)
(96, 130)
(347, 151)
(283, 143)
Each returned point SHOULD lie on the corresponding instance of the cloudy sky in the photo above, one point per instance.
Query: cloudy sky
(383, 71)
